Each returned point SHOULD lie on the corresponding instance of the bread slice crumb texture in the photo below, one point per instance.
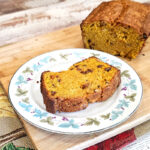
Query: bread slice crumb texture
(86, 77)
(113, 38)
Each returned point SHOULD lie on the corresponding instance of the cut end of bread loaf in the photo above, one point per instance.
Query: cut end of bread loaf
(88, 81)
(118, 27)
(113, 38)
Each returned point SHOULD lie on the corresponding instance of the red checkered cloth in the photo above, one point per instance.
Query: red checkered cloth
(115, 143)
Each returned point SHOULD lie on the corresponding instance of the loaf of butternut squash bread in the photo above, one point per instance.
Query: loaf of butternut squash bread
(88, 81)
(118, 27)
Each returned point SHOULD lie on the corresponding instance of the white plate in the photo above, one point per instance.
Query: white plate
(26, 98)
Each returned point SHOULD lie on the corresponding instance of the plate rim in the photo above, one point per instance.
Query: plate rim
(75, 133)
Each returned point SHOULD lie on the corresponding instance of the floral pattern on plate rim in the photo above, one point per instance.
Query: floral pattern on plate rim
(128, 91)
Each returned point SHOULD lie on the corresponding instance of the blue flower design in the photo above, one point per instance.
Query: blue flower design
(122, 104)
(39, 114)
(26, 107)
(45, 60)
(20, 80)
(104, 59)
(115, 63)
(79, 54)
(36, 67)
(131, 84)
(115, 114)
(69, 124)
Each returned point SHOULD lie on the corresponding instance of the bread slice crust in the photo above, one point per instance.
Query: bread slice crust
(73, 104)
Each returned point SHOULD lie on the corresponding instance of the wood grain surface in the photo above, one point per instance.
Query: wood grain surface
(23, 19)
(10, 6)
(14, 55)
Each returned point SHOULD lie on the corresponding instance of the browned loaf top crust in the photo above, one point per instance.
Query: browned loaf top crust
(133, 14)
(76, 103)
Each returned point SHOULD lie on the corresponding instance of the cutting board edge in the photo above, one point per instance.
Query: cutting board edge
(111, 133)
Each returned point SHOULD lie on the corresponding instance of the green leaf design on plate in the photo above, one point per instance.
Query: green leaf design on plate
(125, 73)
(52, 59)
(21, 92)
(26, 100)
(27, 70)
(47, 120)
(131, 97)
(95, 55)
(106, 116)
(118, 67)
(91, 121)
(64, 56)
(11, 146)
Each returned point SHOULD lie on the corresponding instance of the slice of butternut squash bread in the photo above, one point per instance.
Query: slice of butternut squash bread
(118, 27)
(88, 81)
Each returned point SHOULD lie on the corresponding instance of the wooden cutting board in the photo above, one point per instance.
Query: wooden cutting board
(14, 55)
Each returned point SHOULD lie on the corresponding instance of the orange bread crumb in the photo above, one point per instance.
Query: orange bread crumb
(88, 81)
(118, 27)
